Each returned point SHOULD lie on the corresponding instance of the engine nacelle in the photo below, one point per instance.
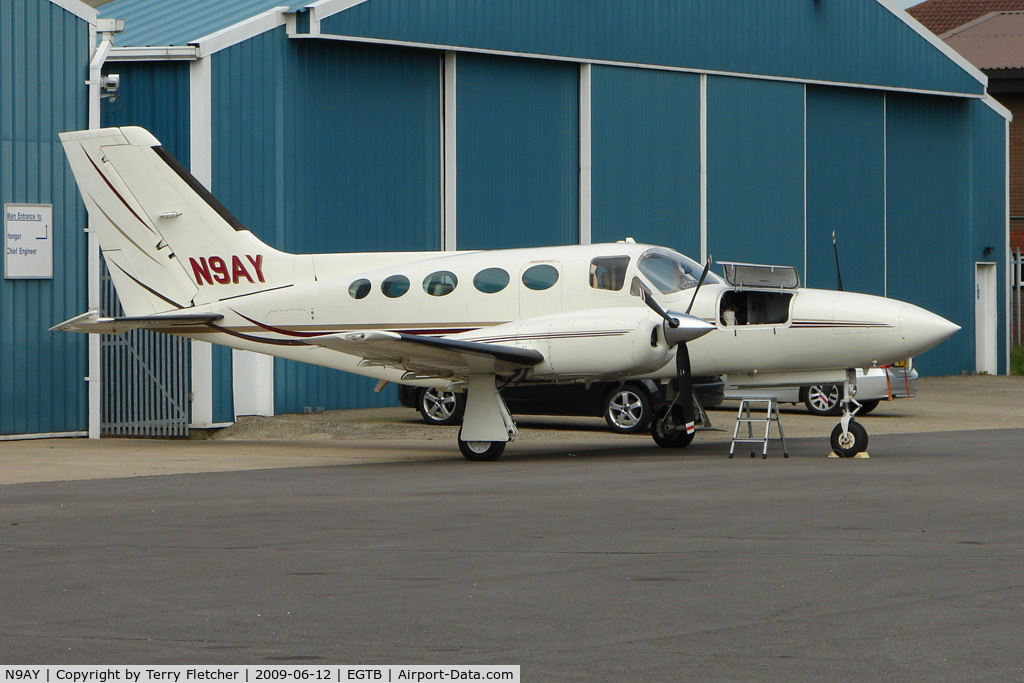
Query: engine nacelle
(596, 343)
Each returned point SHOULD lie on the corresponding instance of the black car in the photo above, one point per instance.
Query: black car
(626, 406)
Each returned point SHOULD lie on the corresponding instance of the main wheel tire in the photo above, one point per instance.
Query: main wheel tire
(438, 407)
(628, 410)
(481, 451)
(867, 406)
(670, 431)
(825, 399)
(850, 444)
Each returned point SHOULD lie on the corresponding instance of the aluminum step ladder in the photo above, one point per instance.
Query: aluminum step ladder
(746, 416)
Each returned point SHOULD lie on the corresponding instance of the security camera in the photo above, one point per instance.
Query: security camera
(110, 86)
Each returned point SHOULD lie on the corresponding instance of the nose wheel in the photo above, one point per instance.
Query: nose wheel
(851, 442)
(849, 437)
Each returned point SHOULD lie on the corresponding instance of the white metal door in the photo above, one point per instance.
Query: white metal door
(985, 318)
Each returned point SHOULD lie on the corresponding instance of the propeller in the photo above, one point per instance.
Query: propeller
(680, 328)
(700, 282)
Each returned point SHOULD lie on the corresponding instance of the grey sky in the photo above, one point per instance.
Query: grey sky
(908, 3)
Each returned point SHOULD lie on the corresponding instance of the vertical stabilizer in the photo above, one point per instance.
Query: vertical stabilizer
(168, 243)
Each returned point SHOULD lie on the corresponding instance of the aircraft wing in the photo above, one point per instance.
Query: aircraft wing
(430, 356)
(93, 323)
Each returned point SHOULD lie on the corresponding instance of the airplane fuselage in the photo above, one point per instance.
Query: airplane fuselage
(471, 295)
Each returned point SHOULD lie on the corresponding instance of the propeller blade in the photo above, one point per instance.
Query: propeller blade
(679, 327)
(654, 306)
(707, 267)
(684, 385)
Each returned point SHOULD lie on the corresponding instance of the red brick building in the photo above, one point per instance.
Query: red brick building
(990, 34)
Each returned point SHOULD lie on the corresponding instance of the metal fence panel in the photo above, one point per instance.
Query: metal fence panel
(145, 379)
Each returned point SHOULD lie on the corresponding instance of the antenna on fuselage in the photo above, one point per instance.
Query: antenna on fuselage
(839, 275)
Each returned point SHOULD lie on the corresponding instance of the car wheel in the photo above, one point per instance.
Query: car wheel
(825, 399)
(441, 407)
(628, 410)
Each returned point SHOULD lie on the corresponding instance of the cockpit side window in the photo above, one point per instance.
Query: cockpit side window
(671, 272)
(608, 272)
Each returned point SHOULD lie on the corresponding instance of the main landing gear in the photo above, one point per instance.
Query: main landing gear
(849, 437)
(487, 425)
(481, 451)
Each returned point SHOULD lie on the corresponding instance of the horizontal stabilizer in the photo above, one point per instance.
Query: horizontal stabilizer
(431, 356)
(91, 322)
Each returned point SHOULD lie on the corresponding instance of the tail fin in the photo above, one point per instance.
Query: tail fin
(168, 243)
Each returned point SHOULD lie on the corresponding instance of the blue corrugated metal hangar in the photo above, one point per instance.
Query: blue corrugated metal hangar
(44, 63)
(750, 131)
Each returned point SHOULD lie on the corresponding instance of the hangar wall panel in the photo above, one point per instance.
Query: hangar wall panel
(930, 261)
(154, 95)
(645, 144)
(755, 193)
(846, 188)
(518, 152)
(43, 58)
(383, 109)
(352, 164)
(376, 108)
(847, 41)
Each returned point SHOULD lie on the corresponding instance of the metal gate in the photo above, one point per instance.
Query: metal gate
(145, 378)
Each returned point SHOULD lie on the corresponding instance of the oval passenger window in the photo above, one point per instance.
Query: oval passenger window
(359, 289)
(440, 283)
(491, 280)
(540, 277)
(394, 286)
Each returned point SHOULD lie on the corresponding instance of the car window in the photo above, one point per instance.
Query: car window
(491, 280)
(608, 272)
(359, 289)
(440, 283)
(540, 277)
(394, 286)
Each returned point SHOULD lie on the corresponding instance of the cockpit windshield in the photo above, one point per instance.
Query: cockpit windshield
(671, 272)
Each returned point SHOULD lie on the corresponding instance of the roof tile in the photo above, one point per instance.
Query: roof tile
(942, 16)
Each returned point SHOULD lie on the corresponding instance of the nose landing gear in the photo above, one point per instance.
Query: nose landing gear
(849, 437)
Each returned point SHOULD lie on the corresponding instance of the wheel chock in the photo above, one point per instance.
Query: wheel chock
(862, 455)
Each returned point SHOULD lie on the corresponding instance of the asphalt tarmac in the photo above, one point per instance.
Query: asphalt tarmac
(588, 560)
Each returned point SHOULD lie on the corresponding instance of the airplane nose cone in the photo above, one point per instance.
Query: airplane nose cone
(923, 329)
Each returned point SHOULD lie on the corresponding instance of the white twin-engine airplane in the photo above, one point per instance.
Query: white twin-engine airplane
(476, 320)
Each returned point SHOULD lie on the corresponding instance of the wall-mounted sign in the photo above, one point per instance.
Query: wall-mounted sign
(28, 241)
